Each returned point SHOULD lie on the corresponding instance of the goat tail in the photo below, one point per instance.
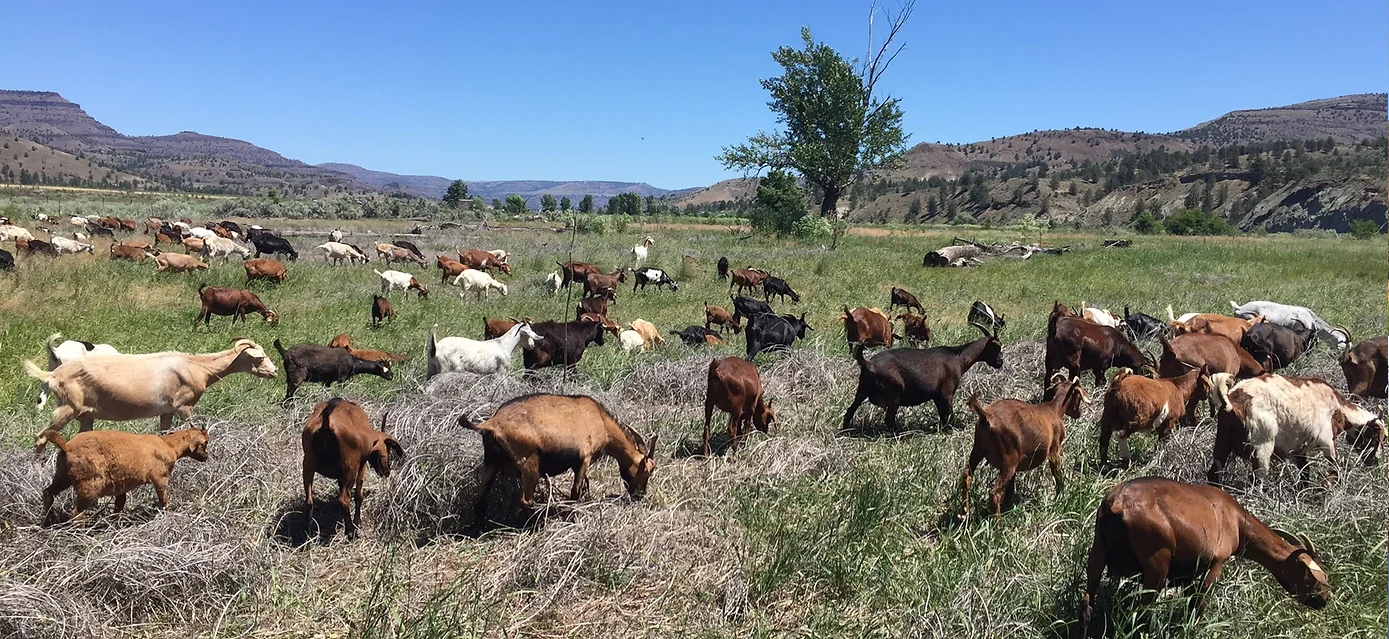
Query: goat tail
(466, 422)
(280, 347)
(1171, 317)
(976, 405)
(1233, 305)
(1221, 383)
(430, 354)
(52, 343)
(34, 371)
(858, 357)
(55, 437)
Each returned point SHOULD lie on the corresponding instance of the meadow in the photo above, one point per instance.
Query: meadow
(806, 532)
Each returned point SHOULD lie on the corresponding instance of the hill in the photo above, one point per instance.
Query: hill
(1347, 119)
(434, 187)
(24, 161)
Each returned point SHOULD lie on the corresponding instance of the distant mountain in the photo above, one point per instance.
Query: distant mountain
(434, 186)
(431, 186)
(1347, 119)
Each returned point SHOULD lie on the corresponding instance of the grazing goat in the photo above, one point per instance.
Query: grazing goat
(1077, 345)
(381, 310)
(749, 308)
(735, 387)
(604, 285)
(747, 279)
(223, 248)
(698, 336)
(561, 343)
(631, 340)
(65, 245)
(1277, 346)
(723, 268)
(639, 251)
(649, 333)
(268, 244)
(1288, 417)
(577, 272)
(1169, 532)
(768, 332)
(867, 326)
(177, 263)
(234, 302)
(718, 315)
(1290, 316)
(449, 267)
(916, 327)
(1364, 367)
(1100, 316)
(546, 435)
(6, 260)
(1231, 328)
(777, 286)
(1016, 436)
(112, 463)
(1134, 404)
(344, 341)
(478, 281)
(70, 351)
(339, 443)
(264, 268)
(484, 260)
(124, 387)
(391, 253)
(337, 252)
(901, 297)
(655, 276)
(595, 305)
(1142, 326)
(553, 281)
(325, 365)
(391, 280)
(910, 376)
(1212, 353)
(460, 354)
(608, 325)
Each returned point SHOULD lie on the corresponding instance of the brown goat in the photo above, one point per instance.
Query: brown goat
(546, 435)
(608, 325)
(719, 315)
(234, 302)
(483, 260)
(916, 327)
(262, 268)
(867, 326)
(901, 297)
(449, 268)
(746, 279)
(577, 272)
(338, 443)
(193, 245)
(1232, 328)
(604, 285)
(344, 341)
(1134, 404)
(1170, 532)
(111, 463)
(1212, 353)
(381, 310)
(119, 252)
(1015, 436)
(1365, 367)
(736, 388)
(178, 263)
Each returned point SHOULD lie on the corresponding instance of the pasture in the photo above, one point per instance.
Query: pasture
(808, 532)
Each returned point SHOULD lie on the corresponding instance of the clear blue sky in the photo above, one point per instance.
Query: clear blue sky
(637, 91)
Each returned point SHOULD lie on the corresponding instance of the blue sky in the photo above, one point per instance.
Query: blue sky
(635, 91)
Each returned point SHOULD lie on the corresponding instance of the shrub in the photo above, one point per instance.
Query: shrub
(589, 224)
(1363, 229)
(780, 202)
(620, 222)
(812, 228)
(1197, 222)
(1147, 224)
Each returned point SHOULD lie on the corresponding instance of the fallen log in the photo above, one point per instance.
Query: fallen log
(951, 255)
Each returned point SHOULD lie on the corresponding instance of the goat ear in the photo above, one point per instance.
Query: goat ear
(651, 448)
(396, 450)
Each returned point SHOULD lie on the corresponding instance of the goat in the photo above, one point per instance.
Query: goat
(595, 305)
(335, 235)
(901, 297)
(70, 351)
(639, 251)
(1365, 368)
(723, 268)
(608, 325)
(917, 329)
(697, 336)
(338, 251)
(749, 308)
(1077, 344)
(630, 340)
(746, 279)
(1231, 328)
(381, 310)
(1287, 315)
(600, 284)
(553, 281)
(6, 260)
(344, 341)
(1134, 403)
(478, 281)
(735, 387)
(223, 248)
(768, 332)
(546, 435)
(1276, 346)
(577, 272)
(1167, 531)
(269, 244)
(1016, 436)
(1100, 316)
(339, 443)
(649, 333)
(325, 365)
(502, 255)
(177, 263)
(867, 326)
(234, 302)
(777, 286)
(65, 245)
(1142, 326)
(448, 267)
(494, 328)
(460, 354)
(391, 280)
(1212, 353)
(655, 276)
(113, 463)
(392, 253)
(36, 247)
(193, 245)
(718, 315)
(562, 343)
(10, 233)
(1287, 417)
(263, 268)
(484, 260)
(125, 387)
(911, 376)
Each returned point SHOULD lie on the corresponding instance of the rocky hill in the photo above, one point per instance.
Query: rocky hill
(1347, 119)
(24, 161)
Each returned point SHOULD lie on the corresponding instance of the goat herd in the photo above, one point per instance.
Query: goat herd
(1165, 531)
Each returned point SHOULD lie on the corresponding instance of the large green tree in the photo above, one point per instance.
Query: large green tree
(565, 203)
(779, 202)
(586, 204)
(548, 203)
(457, 194)
(835, 129)
(515, 205)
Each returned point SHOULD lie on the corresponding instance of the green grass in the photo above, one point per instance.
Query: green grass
(808, 532)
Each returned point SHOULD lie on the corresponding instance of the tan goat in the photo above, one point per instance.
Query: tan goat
(111, 463)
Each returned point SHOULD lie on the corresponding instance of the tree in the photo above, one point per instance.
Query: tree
(565, 203)
(836, 131)
(515, 204)
(779, 203)
(586, 204)
(496, 204)
(456, 194)
(274, 195)
(1197, 222)
(548, 203)
(1147, 224)
(1363, 229)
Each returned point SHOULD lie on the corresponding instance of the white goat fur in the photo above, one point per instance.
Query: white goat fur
(553, 282)
(391, 280)
(631, 341)
(65, 245)
(479, 281)
(222, 247)
(337, 251)
(460, 354)
(70, 351)
(1298, 318)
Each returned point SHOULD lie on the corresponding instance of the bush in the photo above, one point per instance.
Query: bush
(1363, 229)
(1147, 224)
(779, 204)
(1197, 222)
(812, 228)
(588, 224)
(620, 222)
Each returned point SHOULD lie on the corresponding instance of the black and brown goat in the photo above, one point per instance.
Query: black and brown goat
(911, 376)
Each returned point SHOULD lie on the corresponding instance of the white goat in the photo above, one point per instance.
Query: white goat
(335, 235)
(631, 341)
(125, 387)
(479, 281)
(222, 247)
(64, 245)
(1100, 316)
(501, 255)
(1293, 317)
(10, 232)
(460, 354)
(391, 280)
(639, 251)
(80, 237)
(70, 351)
(79, 222)
(553, 282)
(201, 233)
(337, 251)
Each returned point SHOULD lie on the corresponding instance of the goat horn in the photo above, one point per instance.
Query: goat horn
(981, 328)
(384, 415)
(1343, 329)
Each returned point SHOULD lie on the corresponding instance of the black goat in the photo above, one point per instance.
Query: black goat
(1277, 346)
(766, 332)
(777, 286)
(409, 246)
(270, 244)
(749, 308)
(723, 269)
(900, 377)
(901, 297)
(1142, 325)
(655, 276)
(696, 335)
(325, 364)
(563, 343)
(6, 260)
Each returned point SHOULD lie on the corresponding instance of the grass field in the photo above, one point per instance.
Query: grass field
(808, 532)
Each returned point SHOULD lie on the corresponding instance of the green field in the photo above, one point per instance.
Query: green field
(808, 532)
